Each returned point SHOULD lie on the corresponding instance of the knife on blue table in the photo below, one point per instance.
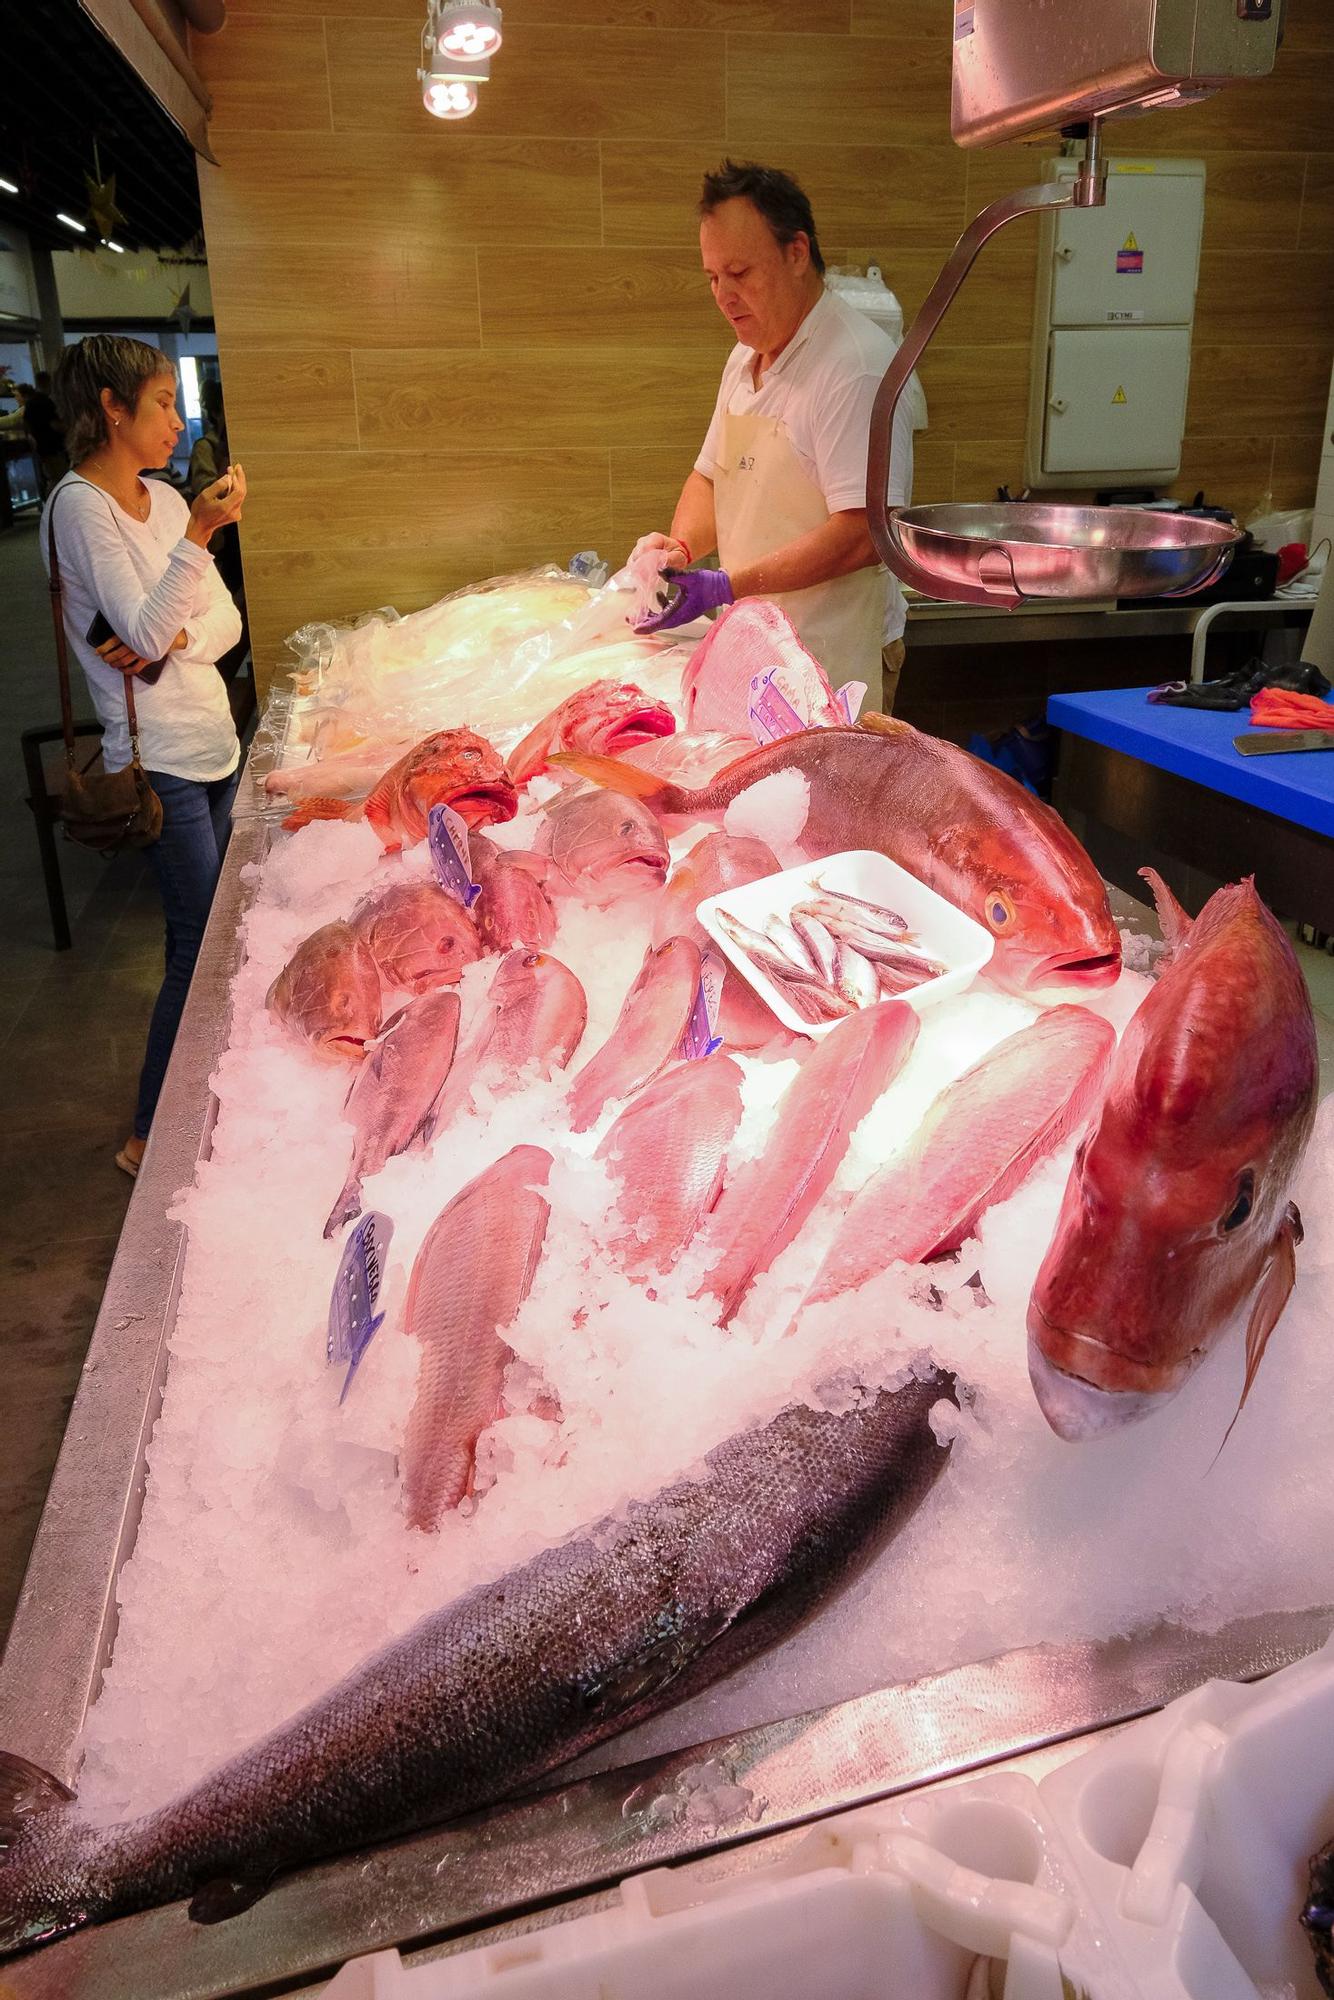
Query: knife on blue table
(1265, 742)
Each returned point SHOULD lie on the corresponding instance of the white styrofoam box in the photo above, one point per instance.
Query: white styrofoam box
(1116, 398)
(943, 932)
(1196, 1826)
(909, 1900)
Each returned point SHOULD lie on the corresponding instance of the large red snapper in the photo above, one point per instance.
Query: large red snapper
(961, 826)
(1177, 1211)
(328, 994)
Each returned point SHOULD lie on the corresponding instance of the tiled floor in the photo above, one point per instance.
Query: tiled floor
(72, 1028)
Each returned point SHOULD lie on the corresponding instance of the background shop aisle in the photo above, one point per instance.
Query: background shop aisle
(72, 1030)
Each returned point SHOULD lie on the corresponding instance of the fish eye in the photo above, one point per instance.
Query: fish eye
(998, 910)
(1243, 1203)
(471, 755)
(627, 826)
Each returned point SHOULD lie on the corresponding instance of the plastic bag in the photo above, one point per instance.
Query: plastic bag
(497, 656)
(1275, 531)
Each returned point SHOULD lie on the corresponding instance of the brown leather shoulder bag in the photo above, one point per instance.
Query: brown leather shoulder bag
(104, 810)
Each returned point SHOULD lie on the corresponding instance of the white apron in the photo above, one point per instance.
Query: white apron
(762, 498)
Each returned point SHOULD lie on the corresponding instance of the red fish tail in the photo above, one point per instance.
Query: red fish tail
(313, 809)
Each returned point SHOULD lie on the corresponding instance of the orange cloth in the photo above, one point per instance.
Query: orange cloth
(1278, 708)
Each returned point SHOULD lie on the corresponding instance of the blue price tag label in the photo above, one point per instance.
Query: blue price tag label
(353, 1320)
(701, 1037)
(447, 839)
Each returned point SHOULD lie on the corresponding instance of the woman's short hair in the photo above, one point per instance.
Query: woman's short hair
(782, 201)
(103, 361)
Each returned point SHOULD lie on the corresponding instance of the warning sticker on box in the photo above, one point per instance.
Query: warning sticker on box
(1129, 258)
(1120, 396)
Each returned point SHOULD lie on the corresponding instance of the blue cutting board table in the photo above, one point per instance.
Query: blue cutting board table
(1154, 783)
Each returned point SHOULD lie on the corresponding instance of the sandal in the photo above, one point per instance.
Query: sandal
(129, 1162)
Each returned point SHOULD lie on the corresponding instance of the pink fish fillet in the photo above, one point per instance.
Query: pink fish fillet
(474, 1270)
(765, 1204)
(647, 1034)
(665, 1152)
(981, 1139)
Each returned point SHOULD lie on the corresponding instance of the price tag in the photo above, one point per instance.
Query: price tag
(773, 711)
(447, 839)
(701, 1037)
(353, 1320)
(850, 698)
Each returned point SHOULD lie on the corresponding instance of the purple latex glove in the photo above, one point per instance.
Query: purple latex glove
(690, 593)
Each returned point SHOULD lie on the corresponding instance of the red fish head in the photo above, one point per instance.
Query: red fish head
(458, 768)
(329, 994)
(618, 719)
(1032, 886)
(607, 846)
(1179, 1192)
(418, 935)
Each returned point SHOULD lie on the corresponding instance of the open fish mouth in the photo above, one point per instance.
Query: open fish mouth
(1089, 970)
(641, 729)
(1076, 1408)
(481, 805)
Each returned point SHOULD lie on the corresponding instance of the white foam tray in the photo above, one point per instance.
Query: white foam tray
(943, 931)
(1166, 1863)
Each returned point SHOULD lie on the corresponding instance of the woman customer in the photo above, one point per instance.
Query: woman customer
(133, 550)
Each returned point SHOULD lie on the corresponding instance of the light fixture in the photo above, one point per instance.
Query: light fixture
(458, 42)
(449, 96)
(119, 248)
(69, 222)
(467, 29)
(9, 187)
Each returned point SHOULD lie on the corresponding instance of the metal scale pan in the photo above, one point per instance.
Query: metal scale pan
(1006, 555)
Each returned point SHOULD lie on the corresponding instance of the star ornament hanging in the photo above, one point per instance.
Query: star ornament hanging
(102, 210)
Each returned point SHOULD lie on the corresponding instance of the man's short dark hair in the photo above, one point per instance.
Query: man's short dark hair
(781, 200)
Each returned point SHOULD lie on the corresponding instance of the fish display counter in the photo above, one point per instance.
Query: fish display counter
(549, 1417)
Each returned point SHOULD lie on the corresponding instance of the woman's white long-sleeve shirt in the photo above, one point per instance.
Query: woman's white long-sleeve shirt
(150, 584)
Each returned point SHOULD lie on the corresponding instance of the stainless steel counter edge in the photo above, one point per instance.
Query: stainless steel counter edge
(65, 1621)
(418, 1892)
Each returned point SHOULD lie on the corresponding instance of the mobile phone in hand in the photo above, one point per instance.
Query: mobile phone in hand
(101, 630)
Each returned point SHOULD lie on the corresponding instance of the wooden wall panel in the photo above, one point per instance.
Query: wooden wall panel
(439, 399)
(456, 348)
(579, 298)
(269, 76)
(908, 195)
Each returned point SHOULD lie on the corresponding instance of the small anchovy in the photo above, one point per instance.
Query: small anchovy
(880, 913)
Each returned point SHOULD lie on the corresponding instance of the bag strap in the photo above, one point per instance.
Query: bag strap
(58, 620)
(62, 654)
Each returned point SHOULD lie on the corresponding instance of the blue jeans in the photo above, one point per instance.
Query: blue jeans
(187, 860)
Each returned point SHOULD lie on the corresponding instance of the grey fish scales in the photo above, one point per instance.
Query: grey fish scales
(512, 1680)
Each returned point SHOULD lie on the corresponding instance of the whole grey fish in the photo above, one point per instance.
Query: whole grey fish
(393, 1092)
(507, 1683)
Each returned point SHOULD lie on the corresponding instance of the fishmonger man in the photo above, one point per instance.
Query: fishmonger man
(779, 488)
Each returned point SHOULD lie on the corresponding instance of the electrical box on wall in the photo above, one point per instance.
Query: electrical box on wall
(1111, 328)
